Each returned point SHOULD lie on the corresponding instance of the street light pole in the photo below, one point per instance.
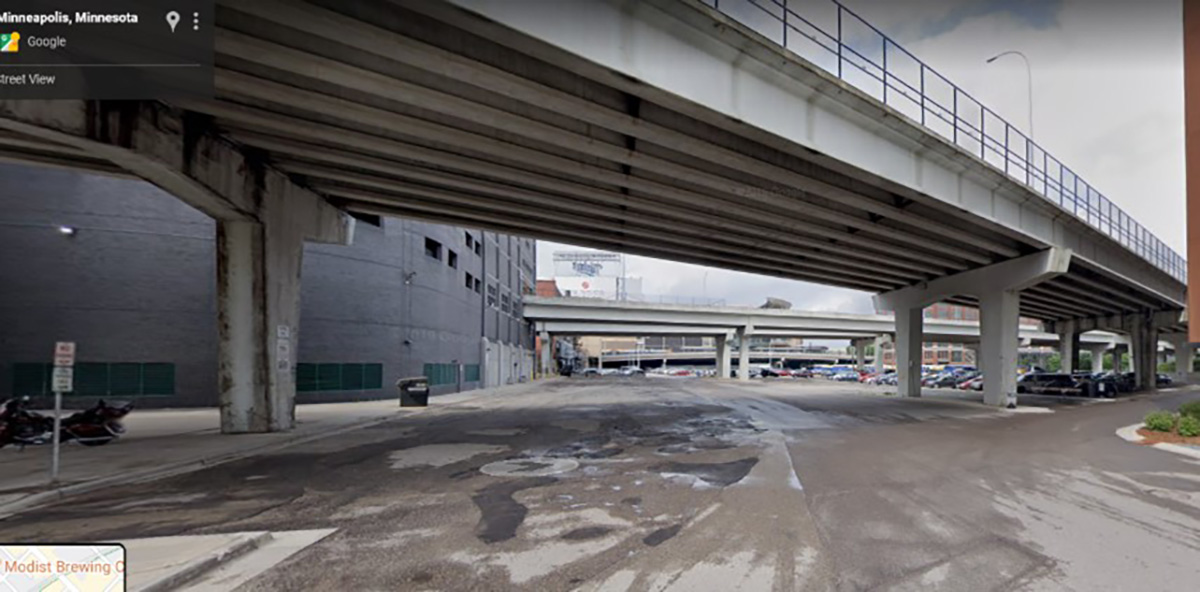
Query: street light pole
(1028, 79)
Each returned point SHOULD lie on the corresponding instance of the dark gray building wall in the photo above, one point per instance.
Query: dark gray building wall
(136, 283)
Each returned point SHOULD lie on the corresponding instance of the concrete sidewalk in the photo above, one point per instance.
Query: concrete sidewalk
(161, 443)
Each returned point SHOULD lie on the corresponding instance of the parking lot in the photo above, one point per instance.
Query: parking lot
(660, 483)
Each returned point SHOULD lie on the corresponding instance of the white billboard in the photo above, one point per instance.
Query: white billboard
(587, 287)
(594, 264)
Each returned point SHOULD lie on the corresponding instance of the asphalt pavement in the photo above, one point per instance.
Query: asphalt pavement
(694, 484)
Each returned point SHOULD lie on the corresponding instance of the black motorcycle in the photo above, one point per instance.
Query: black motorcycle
(96, 426)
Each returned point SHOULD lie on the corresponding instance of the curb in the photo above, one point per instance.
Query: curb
(1129, 434)
(188, 466)
(198, 567)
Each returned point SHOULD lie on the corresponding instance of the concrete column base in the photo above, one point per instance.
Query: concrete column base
(547, 361)
(724, 357)
(878, 359)
(999, 327)
(1143, 338)
(910, 327)
(1097, 352)
(258, 301)
(1185, 355)
(744, 353)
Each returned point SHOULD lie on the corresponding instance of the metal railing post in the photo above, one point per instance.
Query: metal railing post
(954, 115)
(839, 39)
(922, 94)
(885, 71)
(982, 133)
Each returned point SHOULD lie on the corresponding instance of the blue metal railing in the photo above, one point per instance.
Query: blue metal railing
(865, 57)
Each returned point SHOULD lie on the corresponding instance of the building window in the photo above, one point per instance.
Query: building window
(505, 303)
(478, 285)
(469, 241)
(491, 295)
(479, 248)
(471, 373)
(956, 355)
(439, 374)
(99, 379)
(433, 249)
(452, 258)
(338, 377)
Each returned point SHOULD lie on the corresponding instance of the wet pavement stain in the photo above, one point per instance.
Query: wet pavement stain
(722, 474)
(662, 535)
(586, 533)
(501, 514)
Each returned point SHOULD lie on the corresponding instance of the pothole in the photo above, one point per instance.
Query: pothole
(529, 467)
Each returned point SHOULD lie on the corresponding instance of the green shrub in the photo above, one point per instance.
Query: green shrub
(1189, 426)
(1160, 421)
(1191, 408)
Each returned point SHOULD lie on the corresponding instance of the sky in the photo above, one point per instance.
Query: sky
(1107, 102)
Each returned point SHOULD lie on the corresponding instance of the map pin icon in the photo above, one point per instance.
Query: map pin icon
(172, 19)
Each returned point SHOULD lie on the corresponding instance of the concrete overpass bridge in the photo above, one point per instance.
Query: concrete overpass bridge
(590, 316)
(756, 138)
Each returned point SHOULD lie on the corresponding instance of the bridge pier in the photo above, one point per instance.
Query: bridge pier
(1068, 346)
(860, 354)
(908, 348)
(999, 318)
(744, 352)
(1185, 355)
(1143, 340)
(1097, 352)
(258, 302)
(880, 341)
(724, 361)
(998, 288)
(547, 353)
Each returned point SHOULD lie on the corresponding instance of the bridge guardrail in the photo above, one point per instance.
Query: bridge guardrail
(866, 58)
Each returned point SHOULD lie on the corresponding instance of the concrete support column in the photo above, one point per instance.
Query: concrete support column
(910, 328)
(258, 308)
(1118, 353)
(999, 327)
(1068, 346)
(547, 353)
(860, 354)
(724, 356)
(1185, 354)
(258, 300)
(1098, 357)
(1143, 338)
(879, 343)
(744, 353)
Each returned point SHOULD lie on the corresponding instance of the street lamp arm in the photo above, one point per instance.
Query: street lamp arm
(1028, 77)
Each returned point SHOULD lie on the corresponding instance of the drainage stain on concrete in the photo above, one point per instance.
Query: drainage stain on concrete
(501, 514)
(662, 535)
(720, 474)
(585, 533)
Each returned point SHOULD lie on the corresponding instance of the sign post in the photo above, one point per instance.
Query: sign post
(62, 381)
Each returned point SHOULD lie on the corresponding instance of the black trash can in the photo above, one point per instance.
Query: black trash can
(414, 392)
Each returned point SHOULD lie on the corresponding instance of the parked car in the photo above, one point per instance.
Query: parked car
(1049, 383)
(631, 371)
(590, 372)
(802, 373)
(1162, 380)
(847, 376)
(974, 383)
(945, 380)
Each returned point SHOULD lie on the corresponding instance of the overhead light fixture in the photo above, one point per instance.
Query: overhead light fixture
(66, 230)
